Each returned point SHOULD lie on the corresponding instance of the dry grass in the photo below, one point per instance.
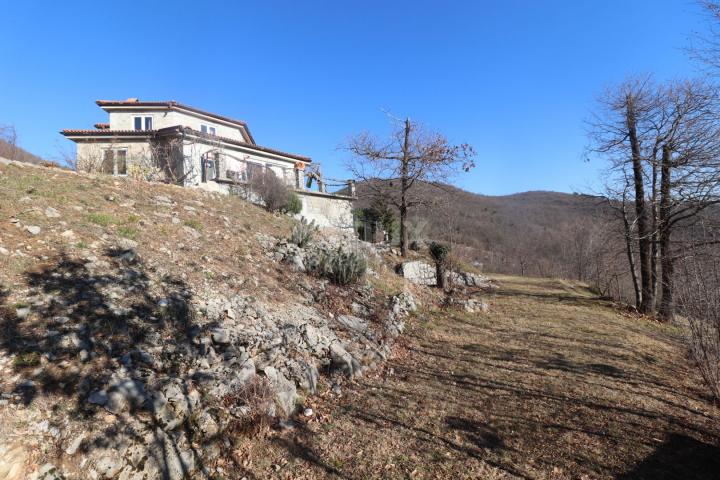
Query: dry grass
(100, 210)
(551, 384)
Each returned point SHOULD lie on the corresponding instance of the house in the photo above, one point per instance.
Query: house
(172, 142)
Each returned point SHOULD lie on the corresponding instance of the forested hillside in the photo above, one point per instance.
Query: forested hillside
(532, 233)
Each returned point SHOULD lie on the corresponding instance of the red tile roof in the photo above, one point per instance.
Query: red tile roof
(102, 125)
(172, 104)
(69, 132)
(176, 130)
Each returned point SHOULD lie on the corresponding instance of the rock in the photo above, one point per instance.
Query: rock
(353, 323)
(33, 229)
(359, 309)
(4, 251)
(474, 305)
(50, 212)
(126, 244)
(418, 272)
(308, 412)
(221, 336)
(343, 361)
(191, 232)
(109, 465)
(124, 394)
(207, 425)
(467, 279)
(285, 390)
(75, 444)
(47, 472)
(98, 397)
(403, 304)
(167, 459)
(83, 355)
(22, 312)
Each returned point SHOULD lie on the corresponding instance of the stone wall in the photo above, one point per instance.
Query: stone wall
(327, 210)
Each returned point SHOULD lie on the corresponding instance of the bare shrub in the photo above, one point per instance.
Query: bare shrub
(256, 400)
(270, 189)
(699, 299)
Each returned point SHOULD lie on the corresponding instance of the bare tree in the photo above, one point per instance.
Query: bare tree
(699, 297)
(270, 189)
(668, 135)
(8, 139)
(625, 132)
(689, 170)
(393, 169)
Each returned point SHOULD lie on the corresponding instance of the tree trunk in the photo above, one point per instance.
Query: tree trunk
(667, 263)
(630, 254)
(647, 300)
(403, 191)
(654, 254)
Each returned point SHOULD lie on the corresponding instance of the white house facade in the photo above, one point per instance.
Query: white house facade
(173, 142)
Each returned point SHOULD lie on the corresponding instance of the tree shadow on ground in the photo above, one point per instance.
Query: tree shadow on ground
(86, 320)
(679, 457)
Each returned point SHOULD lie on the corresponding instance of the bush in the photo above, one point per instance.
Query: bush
(257, 396)
(342, 267)
(293, 205)
(439, 253)
(269, 189)
(302, 232)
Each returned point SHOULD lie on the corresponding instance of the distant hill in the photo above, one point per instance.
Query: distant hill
(536, 232)
(13, 152)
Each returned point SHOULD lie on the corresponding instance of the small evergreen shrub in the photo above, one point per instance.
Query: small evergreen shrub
(293, 205)
(342, 267)
(440, 252)
(303, 232)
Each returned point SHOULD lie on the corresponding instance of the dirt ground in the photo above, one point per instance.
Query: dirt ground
(551, 383)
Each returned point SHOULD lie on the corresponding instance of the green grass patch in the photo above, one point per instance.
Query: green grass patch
(101, 219)
(127, 232)
(81, 245)
(193, 223)
(26, 359)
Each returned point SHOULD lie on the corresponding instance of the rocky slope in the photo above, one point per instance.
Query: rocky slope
(141, 325)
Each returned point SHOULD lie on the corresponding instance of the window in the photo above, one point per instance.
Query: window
(207, 129)
(114, 162)
(141, 122)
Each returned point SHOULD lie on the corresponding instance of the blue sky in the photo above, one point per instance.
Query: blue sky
(514, 78)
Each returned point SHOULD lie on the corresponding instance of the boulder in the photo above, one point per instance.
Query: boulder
(467, 279)
(343, 361)
(418, 272)
(285, 390)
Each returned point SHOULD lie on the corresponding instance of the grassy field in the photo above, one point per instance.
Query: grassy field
(551, 383)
